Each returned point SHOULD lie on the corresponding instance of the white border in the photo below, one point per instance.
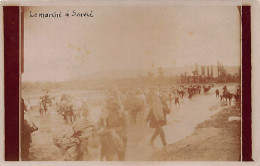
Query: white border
(255, 24)
(127, 2)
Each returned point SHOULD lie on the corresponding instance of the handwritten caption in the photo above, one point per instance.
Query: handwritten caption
(60, 14)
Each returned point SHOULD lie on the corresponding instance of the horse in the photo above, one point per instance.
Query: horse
(181, 93)
(227, 95)
(206, 89)
(193, 91)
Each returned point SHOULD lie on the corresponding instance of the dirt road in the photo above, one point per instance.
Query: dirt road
(216, 139)
(181, 122)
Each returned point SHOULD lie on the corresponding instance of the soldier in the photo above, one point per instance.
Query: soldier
(225, 89)
(217, 93)
(157, 118)
(27, 129)
(114, 125)
(41, 108)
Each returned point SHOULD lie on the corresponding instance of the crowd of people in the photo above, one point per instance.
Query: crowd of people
(122, 107)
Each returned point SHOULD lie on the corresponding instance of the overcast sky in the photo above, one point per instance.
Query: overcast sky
(126, 37)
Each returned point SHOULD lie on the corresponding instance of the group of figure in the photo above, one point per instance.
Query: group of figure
(45, 103)
(134, 101)
(111, 128)
(114, 117)
(226, 94)
(192, 89)
(121, 109)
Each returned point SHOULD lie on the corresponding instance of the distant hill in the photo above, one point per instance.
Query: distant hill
(115, 77)
(134, 73)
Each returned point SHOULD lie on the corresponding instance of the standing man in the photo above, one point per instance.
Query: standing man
(217, 93)
(157, 118)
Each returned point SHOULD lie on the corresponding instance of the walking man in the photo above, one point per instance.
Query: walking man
(217, 93)
(157, 118)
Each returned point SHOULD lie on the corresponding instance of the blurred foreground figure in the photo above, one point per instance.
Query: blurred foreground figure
(27, 128)
(78, 141)
(112, 129)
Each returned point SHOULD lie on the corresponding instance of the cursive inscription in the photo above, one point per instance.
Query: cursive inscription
(60, 14)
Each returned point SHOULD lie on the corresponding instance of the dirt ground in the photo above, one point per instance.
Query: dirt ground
(198, 129)
(216, 139)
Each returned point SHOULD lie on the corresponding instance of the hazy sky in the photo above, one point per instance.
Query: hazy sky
(125, 37)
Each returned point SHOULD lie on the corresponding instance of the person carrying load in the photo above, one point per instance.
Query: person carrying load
(112, 128)
(157, 118)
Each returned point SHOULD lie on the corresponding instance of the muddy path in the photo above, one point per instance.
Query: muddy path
(181, 123)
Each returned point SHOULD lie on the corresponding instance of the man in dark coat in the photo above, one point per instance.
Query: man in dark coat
(27, 128)
(157, 118)
(217, 93)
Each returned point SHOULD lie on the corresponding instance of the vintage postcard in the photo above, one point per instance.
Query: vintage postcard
(138, 82)
(132, 83)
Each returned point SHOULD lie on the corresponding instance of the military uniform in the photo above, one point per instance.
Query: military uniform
(157, 118)
(27, 128)
(116, 120)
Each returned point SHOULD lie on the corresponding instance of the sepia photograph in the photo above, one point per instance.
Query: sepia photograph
(131, 83)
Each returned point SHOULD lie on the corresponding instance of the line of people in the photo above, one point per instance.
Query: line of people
(112, 125)
(226, 94)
